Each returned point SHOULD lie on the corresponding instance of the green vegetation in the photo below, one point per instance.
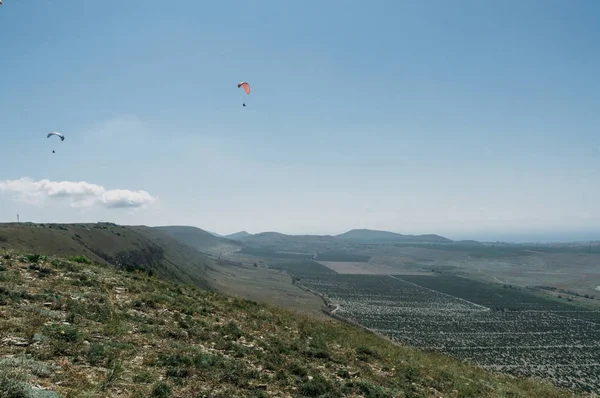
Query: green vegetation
(266, 253)
(80, 259)
(97, 331)
(342, 256)
(131, 247)
(299, 267)
(500, 297)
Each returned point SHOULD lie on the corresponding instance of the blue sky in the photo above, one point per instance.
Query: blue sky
(470, 119)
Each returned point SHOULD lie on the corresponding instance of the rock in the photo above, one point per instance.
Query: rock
(38, 337)
(16, 341)
(354, 374)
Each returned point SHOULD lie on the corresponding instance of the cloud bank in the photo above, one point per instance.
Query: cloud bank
(75, 193)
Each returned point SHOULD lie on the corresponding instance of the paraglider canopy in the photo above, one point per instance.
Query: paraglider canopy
(246, 87)
(62, 137)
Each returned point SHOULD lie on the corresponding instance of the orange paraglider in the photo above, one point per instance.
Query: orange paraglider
(246, 87)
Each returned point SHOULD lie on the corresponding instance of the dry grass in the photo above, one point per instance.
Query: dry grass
(77, 330)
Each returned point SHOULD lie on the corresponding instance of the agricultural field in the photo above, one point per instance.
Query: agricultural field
(498, 328)
(347, 267)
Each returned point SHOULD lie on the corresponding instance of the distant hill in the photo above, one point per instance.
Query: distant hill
(294, 243)
(107, 243)
(200, 239)
(368, 236)
(469, 242)
(239, 236)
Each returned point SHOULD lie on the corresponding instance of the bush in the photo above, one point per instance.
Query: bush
(364, 353)
(297, 370)
(161, 390)
(10, 388)
(34, 258)
(233, 330)
(95, 354)
(80, 259)
(319, 386)
(65, 333)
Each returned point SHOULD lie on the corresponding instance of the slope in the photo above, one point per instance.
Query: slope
(200, 240)
(106, 243)
(368, 236)
(294, 243)
(94, 331)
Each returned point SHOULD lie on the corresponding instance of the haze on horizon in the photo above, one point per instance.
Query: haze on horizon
(468, 120)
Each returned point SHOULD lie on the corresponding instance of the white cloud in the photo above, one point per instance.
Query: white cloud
(76, 193)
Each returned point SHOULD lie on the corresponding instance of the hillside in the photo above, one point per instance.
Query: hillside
(368, 236)
(239, 236)
(105, 243)
(69, 329)
(294, 243)
(200, 240)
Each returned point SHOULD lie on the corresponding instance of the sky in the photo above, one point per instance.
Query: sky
(468, 119)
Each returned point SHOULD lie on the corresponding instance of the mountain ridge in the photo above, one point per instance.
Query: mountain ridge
(111, 244)
(370, 236)
(199, 239)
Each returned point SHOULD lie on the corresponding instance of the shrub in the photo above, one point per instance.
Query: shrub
(232, 330)
(34, 258)
(319, 386)
(95, 354)
(161, 390)
(297, 370)
(80, 259)
(11, 388)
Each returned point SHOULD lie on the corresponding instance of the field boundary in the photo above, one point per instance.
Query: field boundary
(445, 294)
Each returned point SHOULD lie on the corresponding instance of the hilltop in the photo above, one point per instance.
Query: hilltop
(294, 243)
(238, 236)
(368, 236)
(107, 243)
(200, 239)
(71, 329)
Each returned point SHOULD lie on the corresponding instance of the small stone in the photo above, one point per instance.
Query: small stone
(16, 341)
(38, 337)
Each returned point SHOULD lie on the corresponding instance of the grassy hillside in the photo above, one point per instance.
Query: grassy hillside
(368, 236)
(294, 243)
(76, 330)
(105, 243)
(200, 240)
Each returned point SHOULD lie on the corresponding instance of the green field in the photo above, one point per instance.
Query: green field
(342, 256)
(502, 297)
(299, 267)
